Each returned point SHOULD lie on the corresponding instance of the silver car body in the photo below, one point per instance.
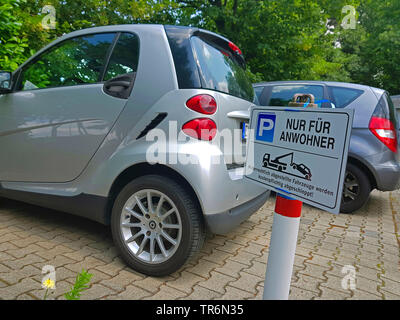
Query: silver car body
(67, 148)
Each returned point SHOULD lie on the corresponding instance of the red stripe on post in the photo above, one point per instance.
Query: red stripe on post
(288, 208)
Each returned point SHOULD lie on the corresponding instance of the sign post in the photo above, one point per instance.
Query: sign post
(301, 154)
(282, 248)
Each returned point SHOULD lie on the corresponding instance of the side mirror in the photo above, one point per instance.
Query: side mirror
(5, 82)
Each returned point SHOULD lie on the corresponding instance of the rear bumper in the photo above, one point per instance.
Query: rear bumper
(223, 222)
(388, 176)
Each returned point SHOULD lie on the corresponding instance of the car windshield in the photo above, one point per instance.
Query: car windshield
(220, 71)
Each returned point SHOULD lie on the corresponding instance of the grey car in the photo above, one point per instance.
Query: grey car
(78, 119)
(373, 161)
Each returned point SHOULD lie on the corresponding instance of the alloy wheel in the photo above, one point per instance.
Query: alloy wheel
(351, 189)
(151, 226)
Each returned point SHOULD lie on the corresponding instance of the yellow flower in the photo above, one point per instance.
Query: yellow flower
(49, 284)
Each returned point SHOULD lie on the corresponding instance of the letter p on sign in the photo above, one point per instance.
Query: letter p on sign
(266, 126)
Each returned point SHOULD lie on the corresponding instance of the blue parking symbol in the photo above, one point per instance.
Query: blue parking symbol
(266, 127)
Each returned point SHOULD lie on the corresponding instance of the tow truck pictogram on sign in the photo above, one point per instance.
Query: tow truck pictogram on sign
(278, 164)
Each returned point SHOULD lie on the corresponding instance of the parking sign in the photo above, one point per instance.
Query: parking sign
(301, 153)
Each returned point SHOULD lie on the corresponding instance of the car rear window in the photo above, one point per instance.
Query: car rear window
(220, 71)
(344, 96)
(281, 95)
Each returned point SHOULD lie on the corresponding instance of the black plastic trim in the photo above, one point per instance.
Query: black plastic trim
(153, 124)
(84, 205)
(108, 56)
(184, 60)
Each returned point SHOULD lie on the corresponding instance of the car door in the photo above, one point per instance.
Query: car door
(59, 114)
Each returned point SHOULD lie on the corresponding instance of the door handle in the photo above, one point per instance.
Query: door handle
(125, 84)
(121, 86)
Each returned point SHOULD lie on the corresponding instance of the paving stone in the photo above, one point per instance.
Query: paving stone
(185, 282)
(330, 294)
(307, 282)
(217, 282)
(334, 283)
(167, 293)
(151, 284)
(258, 269)
(391, 286)
(244, 258)
(201, 293)
(13, 291)
(112, 268)
(131, 293)
(233, 293)
(120, 281)
(231, 268)
(26, 272)
(217, 256)
(27, 241)
(254, 248)
(86, 264)
(390, 295)
(7, 246)
(202, 268)
(228, 267)
(363, 295)
(23, 252)
(297, 293)
(314, 270)
(20, 263)
(368, 285)
(247, 282)
(96, 291)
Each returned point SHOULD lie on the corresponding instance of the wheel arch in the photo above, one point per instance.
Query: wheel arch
(365, 169)
(139, 170)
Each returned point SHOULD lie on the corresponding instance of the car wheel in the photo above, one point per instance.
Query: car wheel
(356, 189)
(156, 225)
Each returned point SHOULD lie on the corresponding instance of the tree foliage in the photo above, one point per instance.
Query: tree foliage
(281, 39)
(12, 44)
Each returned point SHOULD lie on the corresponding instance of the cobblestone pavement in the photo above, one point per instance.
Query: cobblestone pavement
(229, 267)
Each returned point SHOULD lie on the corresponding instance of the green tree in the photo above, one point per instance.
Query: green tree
(281, 39)
(13, 45)
(376, 43)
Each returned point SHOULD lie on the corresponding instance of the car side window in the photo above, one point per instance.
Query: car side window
(125, 57)
(76, 61)
(344, 96)
(281, 95)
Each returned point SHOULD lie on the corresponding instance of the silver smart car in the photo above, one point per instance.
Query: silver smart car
(78, 119)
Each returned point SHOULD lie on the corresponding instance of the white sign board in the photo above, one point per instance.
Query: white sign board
(300, 153)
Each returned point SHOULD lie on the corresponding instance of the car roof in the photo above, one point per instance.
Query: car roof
(116, 28)
(328, 83)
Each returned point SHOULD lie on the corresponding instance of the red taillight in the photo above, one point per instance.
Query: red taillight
(202, 103)
(385, 131)
(202, 129)
(235, 48)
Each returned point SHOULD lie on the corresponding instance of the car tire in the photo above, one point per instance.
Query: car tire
(356, 189)
(159, 228)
